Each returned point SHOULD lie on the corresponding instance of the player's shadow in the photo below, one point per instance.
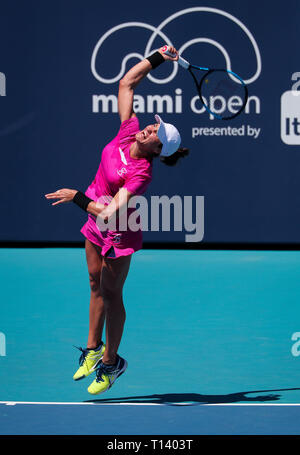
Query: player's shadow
(192, 399)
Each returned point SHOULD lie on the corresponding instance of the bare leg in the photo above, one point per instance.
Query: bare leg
(97, 311)
(113, 276)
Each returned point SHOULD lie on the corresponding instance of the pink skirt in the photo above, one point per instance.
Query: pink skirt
(124, 243)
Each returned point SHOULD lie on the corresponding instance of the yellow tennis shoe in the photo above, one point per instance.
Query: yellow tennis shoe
(89, 361)
(106, 376)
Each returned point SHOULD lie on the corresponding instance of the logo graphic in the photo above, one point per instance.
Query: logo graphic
(290, 114)
(21, 122)
(123, 158)
(158, 32)
(2, 345)
(122, 171)
(117, 238)
(295, 350)
(2, 84)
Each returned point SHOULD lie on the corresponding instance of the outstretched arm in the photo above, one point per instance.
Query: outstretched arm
(130, 81)
(106, 212)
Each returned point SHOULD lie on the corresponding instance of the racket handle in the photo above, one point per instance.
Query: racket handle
(181, 61)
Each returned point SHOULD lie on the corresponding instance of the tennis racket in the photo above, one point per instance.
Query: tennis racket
(222, 92)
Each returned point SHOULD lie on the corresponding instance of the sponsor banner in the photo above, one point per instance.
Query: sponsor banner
(60, 67)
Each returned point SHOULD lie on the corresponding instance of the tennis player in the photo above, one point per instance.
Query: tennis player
(125, 170)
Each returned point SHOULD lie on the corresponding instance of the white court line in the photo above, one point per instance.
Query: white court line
(13, 403)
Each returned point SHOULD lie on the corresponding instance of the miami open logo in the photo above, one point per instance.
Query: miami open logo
(170, 103)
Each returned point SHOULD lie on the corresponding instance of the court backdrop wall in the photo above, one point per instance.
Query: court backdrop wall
(60, 63)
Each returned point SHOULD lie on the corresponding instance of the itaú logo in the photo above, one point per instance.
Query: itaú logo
(290, 113)
(173, 102)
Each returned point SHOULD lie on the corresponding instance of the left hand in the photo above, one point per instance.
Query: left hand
(63, 195)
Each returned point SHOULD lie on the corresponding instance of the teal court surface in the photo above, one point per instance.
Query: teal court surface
(211, 339)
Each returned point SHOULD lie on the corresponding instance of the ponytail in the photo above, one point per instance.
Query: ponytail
(172, 159)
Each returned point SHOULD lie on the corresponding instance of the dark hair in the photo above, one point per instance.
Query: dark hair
(172, 160)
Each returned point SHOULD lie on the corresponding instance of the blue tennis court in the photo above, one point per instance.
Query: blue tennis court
(211, 346)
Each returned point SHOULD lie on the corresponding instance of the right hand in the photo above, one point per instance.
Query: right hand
(172, 50)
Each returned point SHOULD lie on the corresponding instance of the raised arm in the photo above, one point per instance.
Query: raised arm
(126, 92)
(131, 80)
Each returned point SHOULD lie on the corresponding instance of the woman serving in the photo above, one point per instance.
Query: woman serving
(125, 170)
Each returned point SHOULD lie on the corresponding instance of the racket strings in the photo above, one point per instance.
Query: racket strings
(223, 93)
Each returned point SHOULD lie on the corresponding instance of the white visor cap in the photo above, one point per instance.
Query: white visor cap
(168, 136)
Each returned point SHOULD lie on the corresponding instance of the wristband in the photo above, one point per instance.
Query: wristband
(156, 59)
(81, 200)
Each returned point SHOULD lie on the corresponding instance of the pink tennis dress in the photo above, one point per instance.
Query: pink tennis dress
(118, 169)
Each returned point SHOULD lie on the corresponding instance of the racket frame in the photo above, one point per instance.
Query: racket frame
(187, 66)
(199, 85)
